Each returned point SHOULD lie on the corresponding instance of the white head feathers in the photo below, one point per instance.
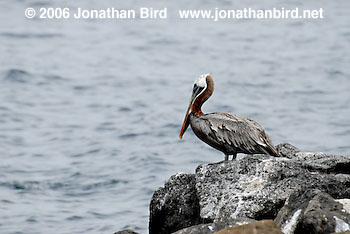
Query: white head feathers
(201, 80)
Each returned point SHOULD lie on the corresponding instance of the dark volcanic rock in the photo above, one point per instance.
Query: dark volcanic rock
(312, 211)
(200, 228)
(175, 206)
(128, 231)
(257, 186)
(254, 187)
(287, 150)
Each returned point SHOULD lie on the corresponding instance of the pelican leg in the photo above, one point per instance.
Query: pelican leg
(226, 157)
(234, 156)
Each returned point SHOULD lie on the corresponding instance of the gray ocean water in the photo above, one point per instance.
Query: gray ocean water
(90, 110)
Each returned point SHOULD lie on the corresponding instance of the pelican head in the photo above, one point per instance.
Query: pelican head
(199, 87)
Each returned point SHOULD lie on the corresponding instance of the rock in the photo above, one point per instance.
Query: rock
(345, 203)
(312, 211)
(287, 150)
(200, 228)
(254, 187)
(261, 227)
(128, 231)
(325, 163)
(175, 206)
(257, 186)
(316, 161)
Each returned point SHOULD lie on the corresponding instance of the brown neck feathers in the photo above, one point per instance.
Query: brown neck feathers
(197, 105)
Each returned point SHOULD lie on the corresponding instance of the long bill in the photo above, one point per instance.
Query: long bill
(186, 121)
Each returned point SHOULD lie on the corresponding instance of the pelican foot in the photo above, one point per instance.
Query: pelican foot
(234, 156)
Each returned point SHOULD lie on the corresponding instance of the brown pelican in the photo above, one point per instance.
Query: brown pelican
(223, 131)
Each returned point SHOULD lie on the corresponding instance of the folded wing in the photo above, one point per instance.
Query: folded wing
(237, 134)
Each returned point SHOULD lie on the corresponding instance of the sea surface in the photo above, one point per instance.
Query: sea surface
(90, 110)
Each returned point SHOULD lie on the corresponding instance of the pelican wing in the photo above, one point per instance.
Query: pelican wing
(241, 134)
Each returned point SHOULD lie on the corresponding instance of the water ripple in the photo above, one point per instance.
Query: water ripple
(30, 35)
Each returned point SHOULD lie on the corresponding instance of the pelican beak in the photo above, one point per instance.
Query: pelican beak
(196, 91)
(186, 122)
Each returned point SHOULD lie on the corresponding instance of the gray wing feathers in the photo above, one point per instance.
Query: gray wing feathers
(240, 133)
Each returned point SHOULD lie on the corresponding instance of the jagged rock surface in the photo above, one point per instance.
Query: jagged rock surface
(175, 206)
(200, 228)
(312, 211)
(287, 150)
(345, 203)
(254, 187)
(128, 231)
(257, 186)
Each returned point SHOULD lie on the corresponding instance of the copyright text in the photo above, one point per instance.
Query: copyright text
(215, 14)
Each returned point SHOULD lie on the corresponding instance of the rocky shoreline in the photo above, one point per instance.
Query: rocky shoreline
(299, 192)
